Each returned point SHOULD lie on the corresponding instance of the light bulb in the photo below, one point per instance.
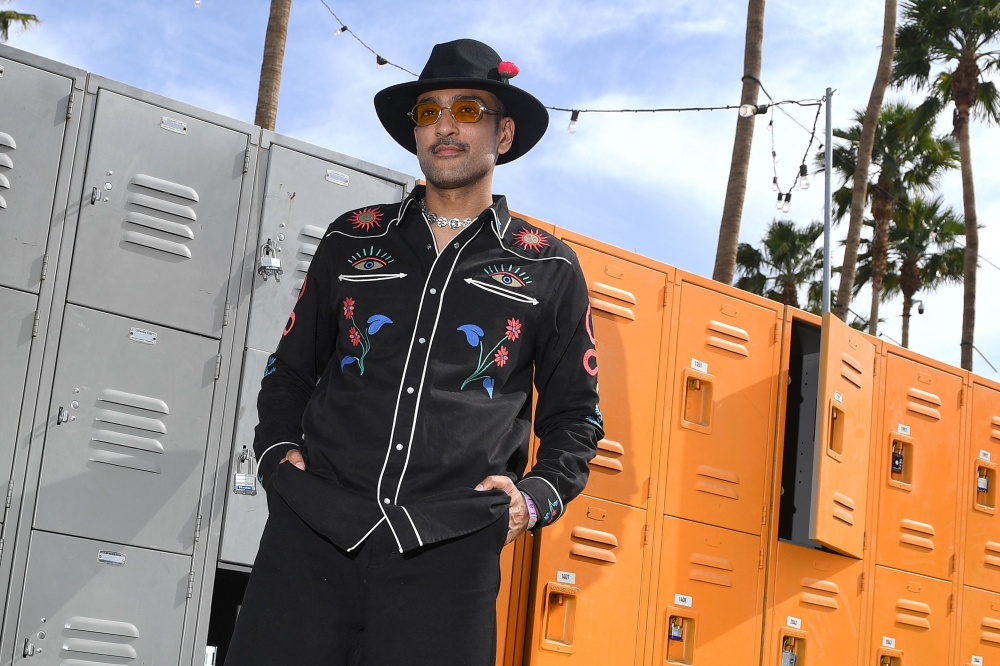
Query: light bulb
(774, 157)
(770, 126)
(774, 184)
(197, 3)
(804, 177)
(748, 110)
(787, 205)
(572, 122)
(341, 31)
(380, 62)
(780, 199)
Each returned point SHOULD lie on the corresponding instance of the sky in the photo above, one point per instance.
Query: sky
(652, 183)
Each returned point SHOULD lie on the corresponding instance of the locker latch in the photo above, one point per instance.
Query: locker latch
(63, 416)
(788, 656)
(269, 263)
(897, 458)
(245, 483)
(29, 648)
(982, 483)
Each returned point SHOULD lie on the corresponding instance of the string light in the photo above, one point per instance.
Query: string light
(787, 205)
(774, 184)
(575, 116)
(380, 62)
(804, 177)
(340, 31)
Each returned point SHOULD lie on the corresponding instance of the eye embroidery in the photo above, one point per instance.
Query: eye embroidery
(370, 259)
(509, 276)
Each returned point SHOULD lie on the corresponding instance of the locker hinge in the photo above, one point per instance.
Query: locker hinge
(225, 315)
(666, 296)
(69, 108)
(1, 550)
(34, 326)
(864, 540)
(10, 493)
(246, 161)
(875, 366)
(951, 603)
(218, 366)
(647, 537)
(197, 528)
(777, 331)
(760, 559)
(954, 563)
(863, 574)
(763, 515)
(961, 397)
(190, 592)
(649, 488)
(45, 265)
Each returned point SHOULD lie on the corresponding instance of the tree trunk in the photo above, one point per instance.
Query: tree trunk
(909, 284)
(732, 210)
(270, 69)
(971, 237)
(848, 270)
(882, 206)
(907, 304)
(790, 292)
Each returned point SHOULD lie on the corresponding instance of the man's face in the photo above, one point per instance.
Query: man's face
(454, 154)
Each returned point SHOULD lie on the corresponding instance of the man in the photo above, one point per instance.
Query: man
(395, 414)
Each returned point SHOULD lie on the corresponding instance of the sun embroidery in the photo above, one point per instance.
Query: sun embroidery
(370, 259)
(360, 336)
(498, 356)
(366, 218)
(531, 239)
(509, 276)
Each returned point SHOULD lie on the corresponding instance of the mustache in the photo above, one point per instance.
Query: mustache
(448, 141)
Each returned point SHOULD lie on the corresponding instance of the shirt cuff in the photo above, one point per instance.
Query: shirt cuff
(270, 459)
(547, 502)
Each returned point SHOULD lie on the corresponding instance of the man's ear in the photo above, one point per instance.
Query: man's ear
(506, 132)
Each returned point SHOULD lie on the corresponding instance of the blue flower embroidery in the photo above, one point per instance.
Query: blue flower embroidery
(498, 356)
(359, 337)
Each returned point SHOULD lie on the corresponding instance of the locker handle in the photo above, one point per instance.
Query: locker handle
(835, 433)
(63, 415)
(95, 196)
(680, 638)
(698, 401)
(559, 617)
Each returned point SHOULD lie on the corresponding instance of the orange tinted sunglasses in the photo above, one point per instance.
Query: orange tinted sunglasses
(463, 111)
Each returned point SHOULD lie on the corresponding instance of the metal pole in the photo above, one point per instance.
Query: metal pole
(827, 173)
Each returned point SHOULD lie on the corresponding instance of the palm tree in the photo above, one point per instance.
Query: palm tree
(270, 68)
(959, 37)
(10, 18)
(736, 188)
(867, 140)
(909, 159)
(786, 260)
(922, 253)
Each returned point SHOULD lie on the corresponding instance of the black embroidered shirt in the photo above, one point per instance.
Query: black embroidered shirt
(405, 376)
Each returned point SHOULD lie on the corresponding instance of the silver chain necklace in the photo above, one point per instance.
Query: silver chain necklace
(442, 221)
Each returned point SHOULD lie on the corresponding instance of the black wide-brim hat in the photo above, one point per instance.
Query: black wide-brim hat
(463, 63)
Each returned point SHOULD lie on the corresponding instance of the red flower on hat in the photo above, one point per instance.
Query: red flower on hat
(508, 70)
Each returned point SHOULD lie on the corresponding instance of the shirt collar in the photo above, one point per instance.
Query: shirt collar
(497, 214)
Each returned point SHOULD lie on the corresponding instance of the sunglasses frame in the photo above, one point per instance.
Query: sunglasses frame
(483, 109)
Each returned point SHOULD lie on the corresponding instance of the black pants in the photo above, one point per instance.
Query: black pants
(310, 603)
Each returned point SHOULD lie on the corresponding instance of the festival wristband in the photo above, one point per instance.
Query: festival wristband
(532, 511)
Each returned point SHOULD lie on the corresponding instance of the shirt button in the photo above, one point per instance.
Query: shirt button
(409, 389)
(421, 341)
(385, 501)
(429, 246)
(433, 291)
(399, 447)
(456, 246)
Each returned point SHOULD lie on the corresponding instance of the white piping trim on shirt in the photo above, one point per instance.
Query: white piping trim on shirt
(261, 459)
(367, 534)
(558, 496)
(520, 256)
(402, 212)
(427, 358)
(419, 540)
(371, 278)
(500, 291)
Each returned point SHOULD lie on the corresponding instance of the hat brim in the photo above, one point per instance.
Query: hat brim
(530, 116)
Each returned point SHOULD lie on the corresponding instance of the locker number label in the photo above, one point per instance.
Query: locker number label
(566, 577)
(683, 600)
(794, 622)
(142, 335)
(984, 454)
(111, 557)
(889, 642)
(838, 396)
(903, 429)
(700, 366)
(977, 661)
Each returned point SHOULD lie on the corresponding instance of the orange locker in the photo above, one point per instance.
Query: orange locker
(979, 633)
(911, 620)
(708, 606)
(627, 308)
(816, 611)
(587, 586)
(725, 396)
(982, 540)
(515, 565)
(921, 437)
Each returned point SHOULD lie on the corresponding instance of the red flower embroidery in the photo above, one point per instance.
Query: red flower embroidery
(289, 325)
(354, 336)
(500, 358)
(531, 239)
(366, 218)
(513, 329)
(348, 307)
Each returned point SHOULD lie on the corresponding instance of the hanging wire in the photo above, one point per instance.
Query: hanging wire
(378, 58)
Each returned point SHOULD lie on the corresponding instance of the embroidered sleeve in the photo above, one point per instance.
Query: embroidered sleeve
(306, 346)
(567, 418)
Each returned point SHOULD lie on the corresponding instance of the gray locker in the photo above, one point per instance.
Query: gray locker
(158, 216)
(303, 195)
(125, 447)
(91, 603)
(33, 110)
(18, 319)
(245, 514)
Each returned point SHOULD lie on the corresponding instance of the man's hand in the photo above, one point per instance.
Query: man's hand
(295, 457)
(518, 517)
